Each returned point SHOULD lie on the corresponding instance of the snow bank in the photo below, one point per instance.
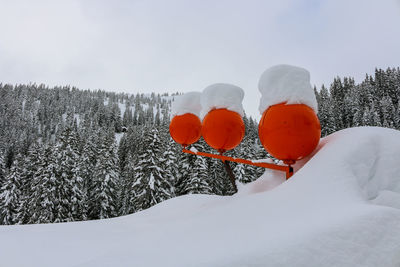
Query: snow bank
(222, 95)
(340, 208)
(186, 103)
(285, 83)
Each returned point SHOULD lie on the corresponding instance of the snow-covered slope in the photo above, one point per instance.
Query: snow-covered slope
(341, 208)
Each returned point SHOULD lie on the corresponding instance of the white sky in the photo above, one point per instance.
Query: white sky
(186, 45)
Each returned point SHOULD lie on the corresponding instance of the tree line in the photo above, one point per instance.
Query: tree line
(373, 102)
(69, 155)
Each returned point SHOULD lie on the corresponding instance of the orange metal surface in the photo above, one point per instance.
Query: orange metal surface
(289, 132)
(185, 129)
(223, 129)
(287, 169)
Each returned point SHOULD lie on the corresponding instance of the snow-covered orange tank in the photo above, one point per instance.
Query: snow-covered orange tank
(289, 132)
(185, 129)
(223, 129)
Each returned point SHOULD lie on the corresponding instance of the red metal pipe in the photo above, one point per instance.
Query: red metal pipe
(287, 169)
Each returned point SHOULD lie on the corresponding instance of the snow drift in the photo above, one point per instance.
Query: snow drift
(341, 208)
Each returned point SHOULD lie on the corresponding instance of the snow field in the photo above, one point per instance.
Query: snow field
(340, 208)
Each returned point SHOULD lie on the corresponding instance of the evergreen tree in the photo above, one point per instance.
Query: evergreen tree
(337, 96)
(325, 113)
(69, 195)
(127, 196)
(366, 118)
(151, 184)
(10, 193)
(397, 115)
(123, 151)
(246, 173)
(103, 193)
(219, 179)
(185, 162)
(31, 164)
(86, 166)
(388, 112)
(127, 119)
(374, 117)
(43, 199)
(169, 161)
(260, 154)
(198, 178)
(2, 169)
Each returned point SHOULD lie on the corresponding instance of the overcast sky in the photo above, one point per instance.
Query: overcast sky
(186, 45)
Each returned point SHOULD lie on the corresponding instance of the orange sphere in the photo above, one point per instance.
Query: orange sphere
(185, 129)
(289, 132)
(223, 129)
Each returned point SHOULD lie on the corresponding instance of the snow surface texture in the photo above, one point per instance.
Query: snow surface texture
(222, 95)
(186, 103)
(340, 208)
(285, 83)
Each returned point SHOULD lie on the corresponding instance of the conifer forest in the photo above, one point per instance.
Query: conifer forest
(71, 155)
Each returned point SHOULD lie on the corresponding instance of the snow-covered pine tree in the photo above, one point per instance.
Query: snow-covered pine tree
(188, 166)
(198, 180)
(358, 118)
(246, 173)
(252, 131)
(366, 118)
(151, 184)
(157, 118)
(86, 166)
(43, 198)
(325, 113)
(165, 116)
(103, 199)
(31, 163)
(353, 107)
(374, 116)
(114, 117)
(337, 95)
(127, 179)
(123, 150)
(127, 119)
(185, 162)
(10, 192)
(150, 114)
(219, 179)
(388, 112)
(347, 103)
(69, 193)
(2, 169)
(169, 162)
(397, 113)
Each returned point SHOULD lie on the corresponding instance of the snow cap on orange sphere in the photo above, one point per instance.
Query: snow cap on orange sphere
(289, 128)
(185, 126)
(286, 84)
(222, 111)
